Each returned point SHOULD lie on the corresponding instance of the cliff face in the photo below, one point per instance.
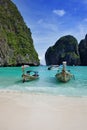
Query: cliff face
(83, 51)
(65, 49)
(16, 44)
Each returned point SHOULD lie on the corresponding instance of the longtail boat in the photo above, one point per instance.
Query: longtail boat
(53, 67)
(64, 75)
(29, 75)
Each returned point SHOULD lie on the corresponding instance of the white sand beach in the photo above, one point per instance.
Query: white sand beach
(25, 111)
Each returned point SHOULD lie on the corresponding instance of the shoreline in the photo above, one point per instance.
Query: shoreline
(30, 111)
(39, 93)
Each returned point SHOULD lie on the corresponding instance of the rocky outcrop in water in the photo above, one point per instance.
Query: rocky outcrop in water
(83, 51)
(16, 43)
(65, 49)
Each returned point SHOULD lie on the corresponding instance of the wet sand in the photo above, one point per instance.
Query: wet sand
(25, 111)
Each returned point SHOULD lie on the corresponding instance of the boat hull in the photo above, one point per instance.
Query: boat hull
(63, 77)
(29, 77)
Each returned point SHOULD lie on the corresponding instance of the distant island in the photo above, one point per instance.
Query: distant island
(16, 43)
(67, 49)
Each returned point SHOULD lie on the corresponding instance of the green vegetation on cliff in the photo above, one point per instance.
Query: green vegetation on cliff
(65, 49)
(15, 37)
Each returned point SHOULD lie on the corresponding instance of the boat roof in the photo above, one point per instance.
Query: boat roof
(29, 71)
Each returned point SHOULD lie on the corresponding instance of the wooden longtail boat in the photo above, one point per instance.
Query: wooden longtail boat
(53, 67)
(64, 75)
(29, 75)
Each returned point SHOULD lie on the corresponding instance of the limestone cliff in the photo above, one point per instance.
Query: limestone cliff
(65, 49)
(16, 43)
(83, 51)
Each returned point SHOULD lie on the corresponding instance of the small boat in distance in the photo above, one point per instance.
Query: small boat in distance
(53, 67)
(29, 75)
(64, 75)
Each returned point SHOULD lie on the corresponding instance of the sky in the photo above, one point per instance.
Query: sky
(49, 20)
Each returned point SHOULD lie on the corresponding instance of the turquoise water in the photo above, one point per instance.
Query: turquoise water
(10, 79)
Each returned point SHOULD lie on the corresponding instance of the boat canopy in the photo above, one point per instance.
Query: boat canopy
(30, 71)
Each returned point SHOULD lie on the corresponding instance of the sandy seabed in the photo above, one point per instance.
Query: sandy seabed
(25, 111)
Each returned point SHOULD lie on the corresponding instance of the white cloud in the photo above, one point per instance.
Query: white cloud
(42, 59)
(85, 19)
(84, 1)
(59, 12)
(82, 30)
(40, 21)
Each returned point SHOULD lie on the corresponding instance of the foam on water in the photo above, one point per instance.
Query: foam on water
(10, 79)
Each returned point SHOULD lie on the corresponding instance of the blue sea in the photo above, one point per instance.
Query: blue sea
(10, 79)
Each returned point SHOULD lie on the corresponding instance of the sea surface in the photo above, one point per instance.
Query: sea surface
(11, 79)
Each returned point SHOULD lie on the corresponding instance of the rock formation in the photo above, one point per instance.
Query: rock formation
(16, 43)
(83, 51)
(65, 49)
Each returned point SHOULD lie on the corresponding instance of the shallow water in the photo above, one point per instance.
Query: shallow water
(10, 79)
